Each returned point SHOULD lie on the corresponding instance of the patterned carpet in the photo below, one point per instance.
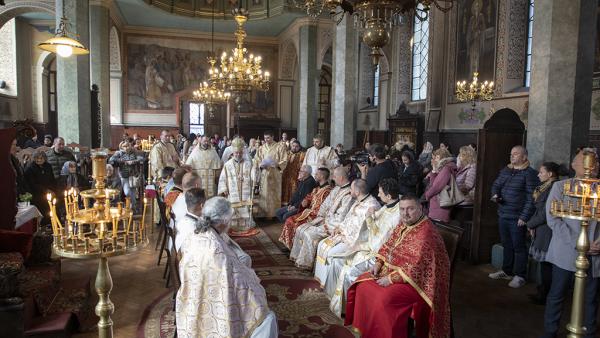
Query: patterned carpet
(302, 308)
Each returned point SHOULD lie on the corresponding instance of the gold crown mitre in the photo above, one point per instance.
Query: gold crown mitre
(237, 144)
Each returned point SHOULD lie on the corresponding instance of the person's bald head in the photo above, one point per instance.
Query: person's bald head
(359, 188)
(190, 181)
(340, 176)
(518, 155)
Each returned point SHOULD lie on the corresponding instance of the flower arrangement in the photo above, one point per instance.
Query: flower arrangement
(26, 197)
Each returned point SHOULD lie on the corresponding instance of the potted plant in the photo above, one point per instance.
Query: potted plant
(24, 200)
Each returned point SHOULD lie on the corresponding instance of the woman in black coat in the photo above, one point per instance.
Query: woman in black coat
(538, 228)
(409, 174)
(40, 179)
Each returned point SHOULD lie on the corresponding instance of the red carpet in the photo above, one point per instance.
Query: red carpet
(302, 308)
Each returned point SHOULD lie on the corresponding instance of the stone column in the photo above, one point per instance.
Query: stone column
(73, 77)
(100, 64)
(308, 84)
(345, 85)
(561, 79)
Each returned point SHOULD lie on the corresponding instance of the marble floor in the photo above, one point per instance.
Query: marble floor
(481, 307)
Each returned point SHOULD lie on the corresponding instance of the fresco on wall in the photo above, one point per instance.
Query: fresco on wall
(476, 39)
(155, 73)
(595, 111)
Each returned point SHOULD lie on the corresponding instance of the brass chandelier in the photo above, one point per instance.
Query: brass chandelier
(240, 72)
(61, 43)
(475, 91)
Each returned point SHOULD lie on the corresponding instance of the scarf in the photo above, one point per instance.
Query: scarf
(520, 167)
(542, 187)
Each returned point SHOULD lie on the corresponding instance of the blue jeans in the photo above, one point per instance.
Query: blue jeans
(282, 213)
(129, 192)
(515, 255)
(562, 280)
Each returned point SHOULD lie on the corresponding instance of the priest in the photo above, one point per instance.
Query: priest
(271, 159)
(331, 213)
(320, 155)
(163, 154)
(205, 162)
(410, 279)
(295, 159)
(236, 184)
(311, 203)
(374, 232)
(344, 236)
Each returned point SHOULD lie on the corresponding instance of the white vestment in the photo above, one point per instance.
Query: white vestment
(220, 296)
(348, 233)
(237, 183)
(360, 258)
(206, 163)
(331, 213)
(317, 158)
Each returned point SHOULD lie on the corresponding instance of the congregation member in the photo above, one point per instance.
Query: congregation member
(48, 141)
(32, 142)
(513, 192)
(375, 231)
(310, 205)
(541, 234)
(271, 159)
(409, 174)
(410, 279)
(332, 213)
(305, 185)
(163, 154)
(190, 180)
(205, 161)
(382, 168)
(320, 155)
(466, 173)
(443, 171)
(128, 163)
(21, 182)
(236, 183)
(70, 178)
(562, 254)
(172, 195)
(40, 180)
(445, 146)
(166, 180)
(425, 157)
(214, 277)
(289, 181)
(194, 199)
(343, 237)
(252, 147)
(112, 180)
(58, 155)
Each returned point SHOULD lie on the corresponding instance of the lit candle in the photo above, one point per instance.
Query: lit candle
(120, 208)
(129, 222)
(144, 214)
(67, 204)
(101, 234)
(114, 224)
(60, 227)
(54, 230)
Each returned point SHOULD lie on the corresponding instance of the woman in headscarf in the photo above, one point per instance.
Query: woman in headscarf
(425, 157)
(38, 175)
(69, 178)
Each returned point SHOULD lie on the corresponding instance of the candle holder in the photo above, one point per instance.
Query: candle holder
(582, 196)
(97, 231)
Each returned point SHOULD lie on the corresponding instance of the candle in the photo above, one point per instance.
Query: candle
(129, 223)
(120, 208)
(127, 203)
(144, 213)
(67, 204)
(114, 224)
(101, 234)
(54, 230)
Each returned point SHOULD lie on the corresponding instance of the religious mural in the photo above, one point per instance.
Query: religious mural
(155, 73)
(476, 39)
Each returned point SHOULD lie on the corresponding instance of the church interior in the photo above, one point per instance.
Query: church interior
(299, 168)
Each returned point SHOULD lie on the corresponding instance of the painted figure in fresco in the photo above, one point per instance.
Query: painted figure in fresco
(475, 35)
(153, 85)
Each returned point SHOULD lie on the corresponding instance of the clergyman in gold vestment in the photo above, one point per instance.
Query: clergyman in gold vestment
(271, 159)
(290, 174)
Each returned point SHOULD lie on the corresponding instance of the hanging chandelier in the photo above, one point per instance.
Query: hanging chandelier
(314, 8)
(61, 43)
(475, 91)
(240, 72)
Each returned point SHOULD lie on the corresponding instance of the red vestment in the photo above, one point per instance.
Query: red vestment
(314, 199)
(416, 259)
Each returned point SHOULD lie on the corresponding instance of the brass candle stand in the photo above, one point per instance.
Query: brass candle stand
(582, 205)
(97, 230)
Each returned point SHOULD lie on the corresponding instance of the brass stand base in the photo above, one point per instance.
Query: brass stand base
(105, 307)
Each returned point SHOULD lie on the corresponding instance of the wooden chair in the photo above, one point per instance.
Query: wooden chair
(162, 235)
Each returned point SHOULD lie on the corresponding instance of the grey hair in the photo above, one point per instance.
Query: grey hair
(216, 210)
(307, 168)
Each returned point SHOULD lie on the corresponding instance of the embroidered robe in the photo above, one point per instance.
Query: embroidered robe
(162, 155)
(236, 182)
(317, 158)
(269, 198)
(206, 163)
(290, 175)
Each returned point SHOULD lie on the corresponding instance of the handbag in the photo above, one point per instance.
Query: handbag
(450, 195)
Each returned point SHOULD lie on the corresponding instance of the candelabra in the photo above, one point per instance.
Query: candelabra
(94, 229)
(581, 204)
(474, 91)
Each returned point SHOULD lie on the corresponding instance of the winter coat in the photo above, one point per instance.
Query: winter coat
(57, 160)
(119, 160)
(514, 187)
(409, 177)
(437, 182)
(41, 180)
(465, 180)
(537, 222)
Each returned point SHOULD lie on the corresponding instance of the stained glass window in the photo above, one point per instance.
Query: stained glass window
(420, 57)
(376, 86)
(529, 42)
(197, 118)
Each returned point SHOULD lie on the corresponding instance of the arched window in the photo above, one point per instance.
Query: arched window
(529, 42)
(197, 118)
(8, 65)
(420, 58)
(376, 76)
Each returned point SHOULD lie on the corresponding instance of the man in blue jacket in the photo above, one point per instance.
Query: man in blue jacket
(513, 191)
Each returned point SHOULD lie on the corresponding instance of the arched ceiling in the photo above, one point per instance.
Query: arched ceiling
(267, 17)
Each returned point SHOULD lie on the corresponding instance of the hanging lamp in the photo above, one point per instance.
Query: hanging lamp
(61, 43)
